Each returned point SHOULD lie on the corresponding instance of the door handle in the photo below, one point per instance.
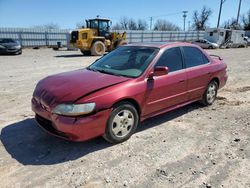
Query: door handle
(180, 81)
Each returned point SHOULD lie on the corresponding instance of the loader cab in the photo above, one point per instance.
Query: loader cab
(101, 25)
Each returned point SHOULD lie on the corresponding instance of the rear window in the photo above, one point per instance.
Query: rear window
(194, 57)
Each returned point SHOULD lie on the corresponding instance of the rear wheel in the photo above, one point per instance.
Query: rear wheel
(210, 94)
(122, 123)
(98, 48)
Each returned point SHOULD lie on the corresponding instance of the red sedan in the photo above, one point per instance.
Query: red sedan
(118, 91)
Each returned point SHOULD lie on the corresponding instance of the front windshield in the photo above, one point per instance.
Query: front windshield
(7, 41)
(129, 61)
(103, 25)
(93, 24)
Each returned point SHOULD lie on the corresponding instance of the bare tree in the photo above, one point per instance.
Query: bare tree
(80, 25)
(117, 26)
(124, 23)
(200, 19)
(246, 20)
(142, 24)
(132, 24)
(231, 24)
(51, 26)
(48, 26)
(164, 25)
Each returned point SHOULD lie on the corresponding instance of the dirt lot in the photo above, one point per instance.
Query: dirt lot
(189, 147)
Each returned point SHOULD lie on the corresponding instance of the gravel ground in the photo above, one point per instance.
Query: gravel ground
(193, 146)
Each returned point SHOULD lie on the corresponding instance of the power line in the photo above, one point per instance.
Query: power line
(163, 15)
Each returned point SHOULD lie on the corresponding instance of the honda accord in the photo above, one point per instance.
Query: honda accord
(113, 95)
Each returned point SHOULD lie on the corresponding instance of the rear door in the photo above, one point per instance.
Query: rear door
(198, 71)
(168, 90)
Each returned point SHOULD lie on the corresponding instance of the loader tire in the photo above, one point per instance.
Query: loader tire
(98, 48)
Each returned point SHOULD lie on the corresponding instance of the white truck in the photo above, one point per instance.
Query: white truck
(226, 38)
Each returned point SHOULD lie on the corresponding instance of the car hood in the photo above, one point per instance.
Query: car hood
(71, 86)
(215, 44)
(8, 45)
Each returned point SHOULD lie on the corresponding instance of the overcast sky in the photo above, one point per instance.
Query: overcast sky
(66, 13)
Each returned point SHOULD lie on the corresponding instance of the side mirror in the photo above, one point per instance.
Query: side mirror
(158, 71)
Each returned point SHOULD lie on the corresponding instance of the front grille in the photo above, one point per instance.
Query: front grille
(47, 125)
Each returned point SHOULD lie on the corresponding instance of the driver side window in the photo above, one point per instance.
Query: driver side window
(172, 59)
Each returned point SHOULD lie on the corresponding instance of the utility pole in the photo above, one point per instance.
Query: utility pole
(184, 19)
(151, 22)
(221, 3)
(238, 15)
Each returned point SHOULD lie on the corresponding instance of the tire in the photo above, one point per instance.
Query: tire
(88, 53)
(122, 123)
(98, 48)
(210, 94)
(210, 47)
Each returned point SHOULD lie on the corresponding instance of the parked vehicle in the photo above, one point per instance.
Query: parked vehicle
(226, 38)
(203, 43)
(10, 46)
(97, 37)
(247, 39)
(128, 85)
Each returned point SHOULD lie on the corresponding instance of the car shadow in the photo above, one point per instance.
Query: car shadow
(70, 55)
(29, 145)
(10, 54)
(159, 119)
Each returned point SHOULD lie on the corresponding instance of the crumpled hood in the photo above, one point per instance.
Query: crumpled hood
(69, 86)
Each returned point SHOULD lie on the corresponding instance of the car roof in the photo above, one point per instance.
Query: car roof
(161, 44)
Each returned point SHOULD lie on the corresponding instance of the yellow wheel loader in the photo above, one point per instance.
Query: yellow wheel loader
(96, 38)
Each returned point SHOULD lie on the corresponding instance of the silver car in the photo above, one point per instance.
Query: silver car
(203, 43)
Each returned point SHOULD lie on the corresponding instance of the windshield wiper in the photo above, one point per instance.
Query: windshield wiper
(107, 72)
(104, 71)
(91, 69)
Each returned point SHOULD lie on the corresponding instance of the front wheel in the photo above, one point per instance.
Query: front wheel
(98, 48)
(210, 94)
(122, 123)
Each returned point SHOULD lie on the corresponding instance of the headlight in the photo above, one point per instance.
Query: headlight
(74, 109)
(2, 46)
(18, 46)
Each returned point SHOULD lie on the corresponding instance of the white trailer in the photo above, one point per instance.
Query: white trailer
(226, 38)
